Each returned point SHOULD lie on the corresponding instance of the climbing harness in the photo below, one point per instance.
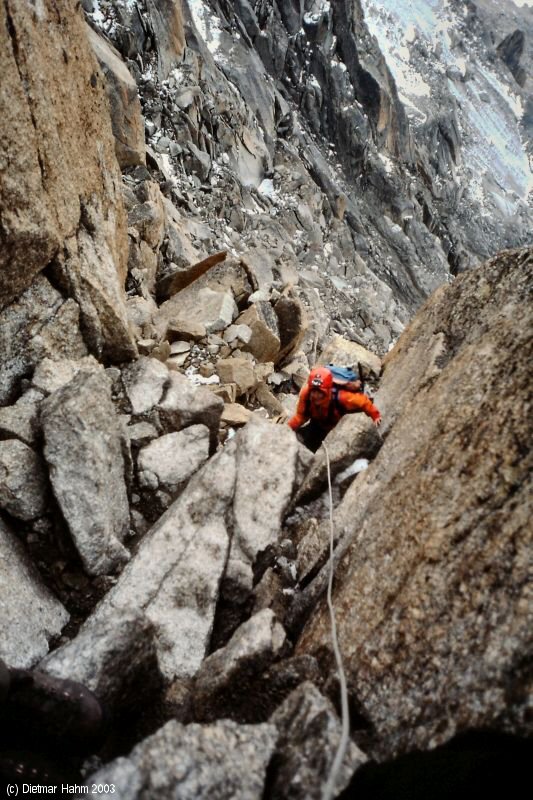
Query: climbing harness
(329, 788)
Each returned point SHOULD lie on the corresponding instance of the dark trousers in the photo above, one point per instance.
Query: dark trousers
(312, 435)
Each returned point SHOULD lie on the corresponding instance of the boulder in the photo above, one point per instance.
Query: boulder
(223, 761)
(344, 353)
(141, 433)
(23, 481)
(113, 660)
(37, 325)
(91, 268)
(309, 735)
(29, 614)
(355, 436)
(222, 686)
(178, 279)
(189, 330)
(238, 371)
(266, 471)
(431, 586)
(175, 574)
(126, 117)
(84, 452)
(214, 310)
(237, 335)
(21, 421)
(174, 457)
(185, 404)
(144, 382)
(264, 343)
(292, 323)
(235, 415)
(51, 375)
(53, 162)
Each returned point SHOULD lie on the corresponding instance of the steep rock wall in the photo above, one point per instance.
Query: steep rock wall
(432, 594)
(60, 182)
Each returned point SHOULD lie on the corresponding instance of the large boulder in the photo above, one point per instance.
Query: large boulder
(264, 343)
(432, 595)
(185, 404)
(174, 577)
(222, 686)
(61, 181)
(115, 660)
(267, 463)
(223, 761)
(29, 614)
(84, 451)
(171, 459)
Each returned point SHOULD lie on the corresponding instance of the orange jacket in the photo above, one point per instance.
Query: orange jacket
(327, 413)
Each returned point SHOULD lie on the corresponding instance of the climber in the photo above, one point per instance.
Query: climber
(322, 403)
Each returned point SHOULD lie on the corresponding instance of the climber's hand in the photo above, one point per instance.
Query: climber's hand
(281, 419)
(377, 422)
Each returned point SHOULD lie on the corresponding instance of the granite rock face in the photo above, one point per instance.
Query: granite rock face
(29, 614)
(432, 595)
(83, 450)
(61, 181)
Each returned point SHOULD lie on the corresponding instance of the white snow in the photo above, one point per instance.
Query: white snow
(495, 160)
(207, 23)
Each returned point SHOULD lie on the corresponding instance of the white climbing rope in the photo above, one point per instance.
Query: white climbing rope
(329, 788)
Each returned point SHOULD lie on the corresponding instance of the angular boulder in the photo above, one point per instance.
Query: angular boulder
(84, 452)
(309, 735)
(144, 381)
(51, 375)
(23, 481)
(222, 686)
(345, 353)
(185, 404)
(29, 614)
(111, 659)
(264, 342)
(173, 458)
(223, 761)
(21, 421)
(175, 574)
(267, 458)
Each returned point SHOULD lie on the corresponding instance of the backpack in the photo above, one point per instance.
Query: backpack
(345, 378)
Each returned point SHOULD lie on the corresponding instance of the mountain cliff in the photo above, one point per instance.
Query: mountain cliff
(199, 201)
